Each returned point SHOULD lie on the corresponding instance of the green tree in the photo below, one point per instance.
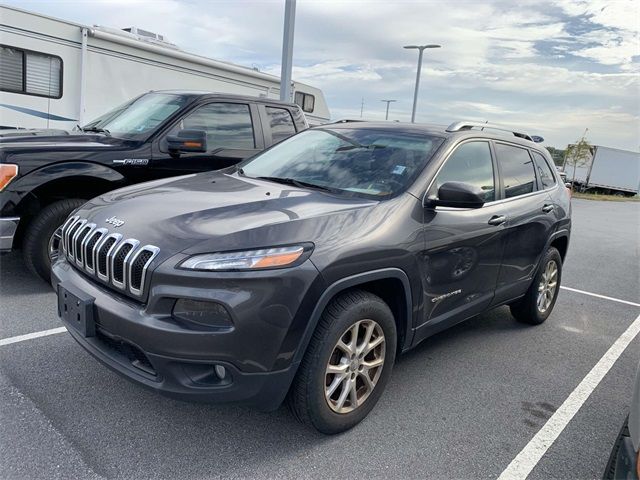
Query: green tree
(578, 155)
(557, 155)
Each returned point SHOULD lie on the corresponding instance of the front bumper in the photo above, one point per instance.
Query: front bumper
(8, 228)
(146, 345)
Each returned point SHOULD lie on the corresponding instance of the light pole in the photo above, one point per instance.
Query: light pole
(420, 49)
(386, 117)
(287, 50)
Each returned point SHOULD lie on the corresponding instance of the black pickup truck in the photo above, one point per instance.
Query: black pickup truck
(156, 135)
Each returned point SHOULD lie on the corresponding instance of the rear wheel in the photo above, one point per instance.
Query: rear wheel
(40, 238)
(347, 364)
(541, 297)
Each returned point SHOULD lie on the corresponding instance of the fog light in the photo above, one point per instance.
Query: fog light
(221, 372)
(207, 314)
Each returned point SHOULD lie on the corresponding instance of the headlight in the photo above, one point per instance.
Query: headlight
(8, 172)
(265, 258)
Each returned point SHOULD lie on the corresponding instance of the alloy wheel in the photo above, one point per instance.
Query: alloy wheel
(548, 285)
(355, 366)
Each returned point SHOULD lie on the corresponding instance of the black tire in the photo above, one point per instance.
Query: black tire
(35, 245)
(307, 395)
(526, 310)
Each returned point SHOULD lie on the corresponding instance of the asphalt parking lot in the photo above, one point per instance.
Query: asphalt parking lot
(461, 405)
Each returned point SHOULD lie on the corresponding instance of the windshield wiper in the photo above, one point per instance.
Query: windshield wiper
(363, 147)
(98, 130)
(297, 183)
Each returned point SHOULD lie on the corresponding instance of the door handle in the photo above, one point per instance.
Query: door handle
(497, 220)
(547, 208)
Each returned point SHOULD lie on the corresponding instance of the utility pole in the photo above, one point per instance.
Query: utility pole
(386, 117)
(362, 107)
(287, 50)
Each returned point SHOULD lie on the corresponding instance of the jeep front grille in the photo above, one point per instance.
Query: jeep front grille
(118, 262)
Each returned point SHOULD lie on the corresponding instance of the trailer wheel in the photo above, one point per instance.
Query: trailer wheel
(39, 233)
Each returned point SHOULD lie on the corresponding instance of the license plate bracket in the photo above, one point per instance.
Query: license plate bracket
(75, 307)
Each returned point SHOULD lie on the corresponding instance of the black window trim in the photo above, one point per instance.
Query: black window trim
(497, 179)
(24, 73)
(162, 136)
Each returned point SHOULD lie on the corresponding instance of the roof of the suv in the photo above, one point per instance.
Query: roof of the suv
(204, 93)
(492, 131)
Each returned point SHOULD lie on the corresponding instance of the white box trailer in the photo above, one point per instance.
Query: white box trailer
(56, 74)
(609, 170)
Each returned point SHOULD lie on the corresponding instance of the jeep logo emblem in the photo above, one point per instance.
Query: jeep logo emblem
(116, 222)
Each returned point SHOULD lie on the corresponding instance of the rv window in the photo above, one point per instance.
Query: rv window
(31, 73)
(281, 123)
(306, 101)
(228, 125)
(11, 68)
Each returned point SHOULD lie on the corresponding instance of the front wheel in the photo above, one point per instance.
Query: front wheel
(538, 302)
(347, 364)
(40, 239)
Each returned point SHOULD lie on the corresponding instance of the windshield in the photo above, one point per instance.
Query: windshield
(365, 162)
(139, 117)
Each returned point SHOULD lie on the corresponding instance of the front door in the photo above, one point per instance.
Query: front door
(231, 137)
(463, 247)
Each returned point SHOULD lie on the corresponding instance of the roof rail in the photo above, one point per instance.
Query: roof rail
(465, 125)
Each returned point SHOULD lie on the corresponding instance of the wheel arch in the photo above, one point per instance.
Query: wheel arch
(378, 282)
(51, 183)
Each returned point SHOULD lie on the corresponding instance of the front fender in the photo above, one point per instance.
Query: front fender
(64, 170)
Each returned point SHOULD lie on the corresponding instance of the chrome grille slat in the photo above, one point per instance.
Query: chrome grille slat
(83, 232)
(89, 248)
(117, 262)
(77, 228)
(135, 287)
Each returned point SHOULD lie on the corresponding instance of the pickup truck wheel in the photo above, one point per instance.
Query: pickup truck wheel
(40, 235)
(541, 297)
(347, 364)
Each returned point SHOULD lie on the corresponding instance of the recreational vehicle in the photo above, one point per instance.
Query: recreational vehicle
(57, 74)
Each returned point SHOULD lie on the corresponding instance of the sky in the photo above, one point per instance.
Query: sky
(549, 68)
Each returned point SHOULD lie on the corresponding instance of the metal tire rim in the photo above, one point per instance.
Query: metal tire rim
(355, 366)
(548, 285)
(54, 243)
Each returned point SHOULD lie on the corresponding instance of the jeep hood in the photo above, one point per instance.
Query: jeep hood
(215, 211)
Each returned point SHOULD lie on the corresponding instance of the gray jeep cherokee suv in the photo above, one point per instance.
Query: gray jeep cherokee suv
(302, 272)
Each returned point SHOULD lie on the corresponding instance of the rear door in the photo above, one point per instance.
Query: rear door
(530, 219)
(463, 246)
(233, 134)
(278, 123)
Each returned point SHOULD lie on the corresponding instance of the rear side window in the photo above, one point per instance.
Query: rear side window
(281, 123)
(545, 174)
(516, 168)
(31, 73)
(469, 163)
(228, 125)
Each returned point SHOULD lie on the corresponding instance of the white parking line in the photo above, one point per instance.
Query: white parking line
(597, 295)
(530, 455)
(29, 336)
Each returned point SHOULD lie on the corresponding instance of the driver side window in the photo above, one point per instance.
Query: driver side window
(227, 125)
(469, 163)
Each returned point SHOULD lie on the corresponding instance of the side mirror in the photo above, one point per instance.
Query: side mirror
(457, 195)
(188, 141)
